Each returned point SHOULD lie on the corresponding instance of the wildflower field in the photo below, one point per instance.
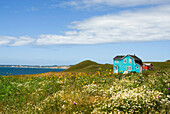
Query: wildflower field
(99, 92)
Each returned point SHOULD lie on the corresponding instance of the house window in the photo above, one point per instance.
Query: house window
(136, 67)
(130, 60)
(116, 61)
(128, 67)
(124, 60)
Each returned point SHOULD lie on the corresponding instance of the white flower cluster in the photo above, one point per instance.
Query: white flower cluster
(92, 89)
(129, 100)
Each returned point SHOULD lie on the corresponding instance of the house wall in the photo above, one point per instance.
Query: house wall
(137, 68)
(122, 67)
(144, 67)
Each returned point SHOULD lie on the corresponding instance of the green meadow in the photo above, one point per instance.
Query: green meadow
(88, 87)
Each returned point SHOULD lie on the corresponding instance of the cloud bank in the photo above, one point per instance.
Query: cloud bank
(14, 41)
(115, 3)
(152, 24)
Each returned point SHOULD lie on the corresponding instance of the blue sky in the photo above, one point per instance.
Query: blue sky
(63, 32)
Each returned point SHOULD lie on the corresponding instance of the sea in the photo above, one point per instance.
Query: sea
(6, 71)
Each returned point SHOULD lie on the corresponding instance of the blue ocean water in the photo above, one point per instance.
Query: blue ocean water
(21, 71)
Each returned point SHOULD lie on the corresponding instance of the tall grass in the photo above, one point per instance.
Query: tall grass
(99, 92)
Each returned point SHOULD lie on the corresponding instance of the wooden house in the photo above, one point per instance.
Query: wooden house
(124, 63)
(147, 66)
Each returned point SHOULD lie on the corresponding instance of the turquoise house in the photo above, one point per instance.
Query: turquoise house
(130, 63)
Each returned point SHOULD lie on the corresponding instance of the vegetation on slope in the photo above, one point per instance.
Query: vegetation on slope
(86, 93)
(97, 91)
(167, 61)
(81, 65)
(88, 66)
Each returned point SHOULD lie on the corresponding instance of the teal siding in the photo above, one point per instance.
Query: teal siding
(122, 66)
(137, 68)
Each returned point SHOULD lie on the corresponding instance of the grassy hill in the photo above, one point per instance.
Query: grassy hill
(82, 65)
(88, 66)
(167, 61)
(91, 66)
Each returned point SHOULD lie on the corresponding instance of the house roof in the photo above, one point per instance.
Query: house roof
(119, 57)
(137, 60)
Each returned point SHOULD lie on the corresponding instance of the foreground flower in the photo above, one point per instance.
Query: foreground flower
(75, 103)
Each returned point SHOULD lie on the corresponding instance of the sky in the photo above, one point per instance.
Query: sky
(66, 32)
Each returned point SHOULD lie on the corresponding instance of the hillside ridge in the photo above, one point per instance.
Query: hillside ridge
(82, 65)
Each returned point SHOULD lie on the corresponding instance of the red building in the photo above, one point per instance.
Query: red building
(147, 66)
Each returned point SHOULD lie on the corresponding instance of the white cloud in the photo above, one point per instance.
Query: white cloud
(23, 40)
(14, 41)
(5, 40)
(151, 24)
(116, 3)
(145, 25)
(53, 39)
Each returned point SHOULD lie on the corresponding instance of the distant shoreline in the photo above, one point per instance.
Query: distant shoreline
(49, 67)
